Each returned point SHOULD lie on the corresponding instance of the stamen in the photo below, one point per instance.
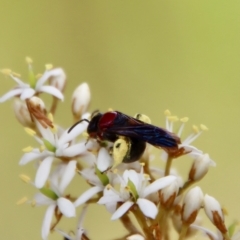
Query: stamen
(184, 119)
(16, 74)
(49, 66)
(29, 60)
(195, 129)
(203, 127)
(142, 164)
(25, 178)
(27, 149)
(167, 113)
(6, 71)
(30, 132)
(22, 201)
(173, 118)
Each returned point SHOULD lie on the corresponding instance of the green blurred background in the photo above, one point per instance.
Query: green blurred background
(137, 56)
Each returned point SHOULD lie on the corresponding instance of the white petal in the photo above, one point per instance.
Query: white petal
(87, 195)
(56, 72)
(51, 90)
(111, 207)
(43, 172)
(30, 156)
(121, 210)
(148, 208)
(67, 175)
(10, 94)
(27, 93)
(47, 221)
(19, 82)
(80, 230)
(66, 207)
(104, 160)
(77, 130)
(46, 133)
(72, 151)
(41, 199)
(158, 184)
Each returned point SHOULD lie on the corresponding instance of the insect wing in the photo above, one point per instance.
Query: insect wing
(133, 128)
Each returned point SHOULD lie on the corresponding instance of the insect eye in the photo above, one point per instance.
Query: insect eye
(143, 118)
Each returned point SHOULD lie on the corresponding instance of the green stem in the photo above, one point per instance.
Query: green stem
(168, 166)
(143, 223)
(185, 186)
(127, 223)
(183, 231)
(225, 236)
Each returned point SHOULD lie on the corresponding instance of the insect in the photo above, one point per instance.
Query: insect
(112, 125)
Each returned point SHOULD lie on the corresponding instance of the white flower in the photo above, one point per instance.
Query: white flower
(97, 177)
(54, 198)
(135, 188)
(53, 146)
(35, 86)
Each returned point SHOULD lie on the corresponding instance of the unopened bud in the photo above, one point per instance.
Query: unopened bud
(22, 114)
(57, 77)
(80, 100)
(214, 212)
(168, 194)
(200, 167)
(37, 110)
(191, 205)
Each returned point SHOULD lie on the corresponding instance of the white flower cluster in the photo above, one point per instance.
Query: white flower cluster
(154, 196)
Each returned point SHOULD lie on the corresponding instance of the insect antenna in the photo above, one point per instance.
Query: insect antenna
(74, 125)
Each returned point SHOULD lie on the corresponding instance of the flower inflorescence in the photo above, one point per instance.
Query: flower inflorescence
(153, 196)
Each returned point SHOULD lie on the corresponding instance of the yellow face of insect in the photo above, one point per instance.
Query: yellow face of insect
(121, 149)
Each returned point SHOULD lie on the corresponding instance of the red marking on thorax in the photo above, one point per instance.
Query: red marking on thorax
(107, 120)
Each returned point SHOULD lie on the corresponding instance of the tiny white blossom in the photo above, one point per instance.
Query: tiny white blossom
(135, 188)
(54, 147)
(35, 86)
(97, 177)
(54, 196)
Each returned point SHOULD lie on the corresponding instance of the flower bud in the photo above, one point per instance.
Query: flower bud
(80, 100)
(200, 167)
(168, 194)
(37, 110)
(214, 212)
(22, 114)
(191, 205)
(57, 78)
